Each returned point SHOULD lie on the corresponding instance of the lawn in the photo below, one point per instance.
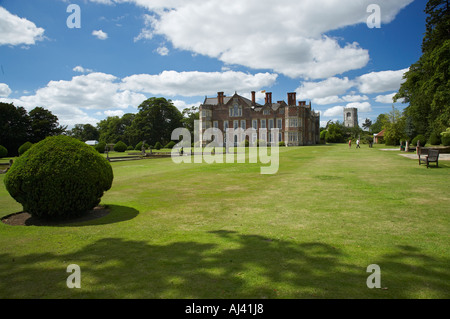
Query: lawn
(227, 231)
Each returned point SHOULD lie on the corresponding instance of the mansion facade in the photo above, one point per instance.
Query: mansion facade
(297, 124)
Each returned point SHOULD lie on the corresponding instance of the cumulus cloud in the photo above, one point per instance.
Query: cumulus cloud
(100, 34)
(5, 91)
(15, 30)
(363, 107)
(288, 38)
(172, 83)
(162, 51)
(383, 81)
(80, 69)
(70, 100)
(334, 111)
(323, 89)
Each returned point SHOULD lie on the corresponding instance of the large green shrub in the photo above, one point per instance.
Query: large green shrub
(3, 151)
(420, 138)
(445, 137)
(139, 146)
(171, 144)
(59, 177)
(435, 138)
(158, 146)
(120, 147)
(24, 147)
(100, 147)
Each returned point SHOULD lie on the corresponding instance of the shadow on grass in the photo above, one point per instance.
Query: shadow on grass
(250, 266)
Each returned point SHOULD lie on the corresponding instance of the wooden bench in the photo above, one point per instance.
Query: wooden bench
(432, 157)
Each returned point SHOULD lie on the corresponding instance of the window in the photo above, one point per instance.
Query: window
(203, 113)
(293, 122)
(263, 123)
(270, 124)
(235, 124)
(235, 110)
(225, 126)
(243, 124)
(293, 137)
(231, 112)
(216, 125)
(255, 124)
(266, 111)
(280, 137)
(280, 123)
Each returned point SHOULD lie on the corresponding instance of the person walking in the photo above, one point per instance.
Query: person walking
(350, 143)
(357, 144)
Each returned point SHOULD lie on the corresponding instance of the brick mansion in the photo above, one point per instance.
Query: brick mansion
(297, 123)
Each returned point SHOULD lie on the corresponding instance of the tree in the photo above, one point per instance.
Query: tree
(15, 127)
(427, 84)
(189, 117)
(394, 127)
(335, 133)
(367, 124)
(155, 121)
(84, 132)
(43, 124)
(377, 127)
(114, 129)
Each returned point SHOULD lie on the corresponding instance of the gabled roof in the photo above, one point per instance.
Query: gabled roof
(227, 99)
(379, 134)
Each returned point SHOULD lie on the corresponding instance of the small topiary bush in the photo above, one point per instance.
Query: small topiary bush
(24, 147)
(3, 151)
(59, 177)
(100, 147)
(139, 146)
(158, 146)
(420, 138)
(445, 137)
(171, 144)
(130, 148)
(435, 138)
(120, 147)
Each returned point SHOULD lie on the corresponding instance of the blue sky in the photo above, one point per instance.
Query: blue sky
(128, 50)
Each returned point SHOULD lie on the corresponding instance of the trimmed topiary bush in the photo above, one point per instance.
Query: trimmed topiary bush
(59, 177)
(420, 138)
(435, 138)
(445, 137)
(139, 146)
(158, 146)
(100, 147)
(24, 147)
(120, 147)
(171, 144)
(3, 151)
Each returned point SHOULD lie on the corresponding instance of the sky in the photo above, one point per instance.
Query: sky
(85, 60)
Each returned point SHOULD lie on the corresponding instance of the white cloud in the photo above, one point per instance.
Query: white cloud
(5, 91)
(383, 81)
(196, 83)
(327, 100)
(181, 105)
(146, 32)
(15, 30)
(355, 98)
(287, 36)
(70, 100)
(162, 51)
(334, 111)
(324, 89)
(387, 99)
(363, 107)
(100, 34)
(118, 113)
(80, 69)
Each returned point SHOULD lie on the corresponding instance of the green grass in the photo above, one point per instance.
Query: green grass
(226, 231)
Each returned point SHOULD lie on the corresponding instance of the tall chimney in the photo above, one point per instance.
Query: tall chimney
(220, 97)
(253, 97)
(292, 97)
(269, 98)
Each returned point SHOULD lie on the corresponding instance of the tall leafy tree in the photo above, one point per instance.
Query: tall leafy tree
(155, 121)
(427, 85)
(15, 127)
(84, 132)
(43, 124)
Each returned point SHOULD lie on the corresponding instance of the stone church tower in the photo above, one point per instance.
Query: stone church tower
(350, 117)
